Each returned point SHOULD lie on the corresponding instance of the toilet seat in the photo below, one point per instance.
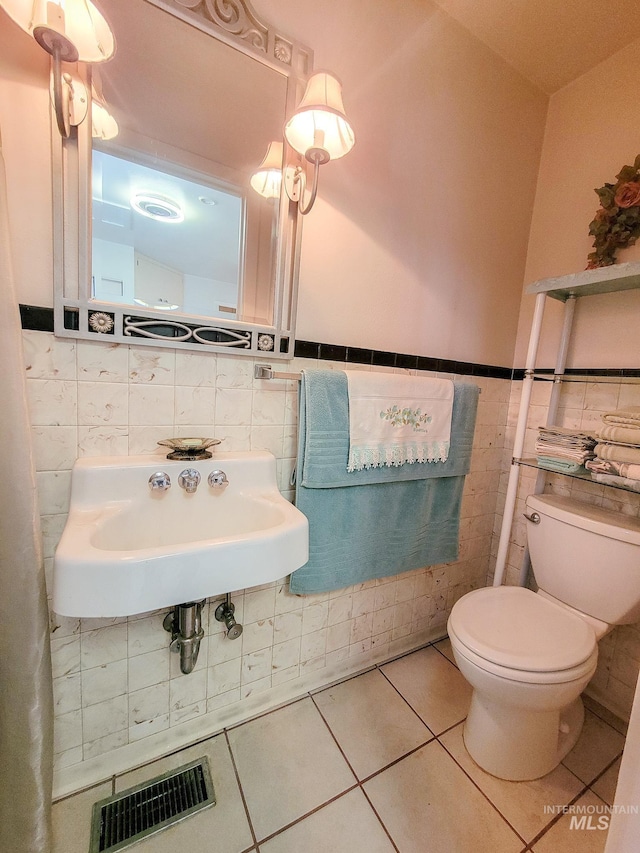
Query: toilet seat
(517, 634)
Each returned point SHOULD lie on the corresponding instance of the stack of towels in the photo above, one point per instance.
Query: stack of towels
(617, 459)
(564, 450)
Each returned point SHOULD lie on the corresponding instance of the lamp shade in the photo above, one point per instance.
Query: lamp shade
(320, 122)
(75, 27)
(103, 124)
(267, 179)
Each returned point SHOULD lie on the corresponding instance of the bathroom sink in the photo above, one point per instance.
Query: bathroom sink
(128, 549)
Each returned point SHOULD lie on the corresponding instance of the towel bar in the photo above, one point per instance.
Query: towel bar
(265, 371)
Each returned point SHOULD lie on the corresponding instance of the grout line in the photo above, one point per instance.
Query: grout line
(422, 720)
(397, 760)
(360, 782)
(486, 796)
(600, 775)
(313, 811)
(602, 718)
(344, 680)
(382, 824)
(555, 819)
(244, 801)
(265, 713)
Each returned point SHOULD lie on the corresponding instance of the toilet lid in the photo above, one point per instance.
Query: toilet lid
(513, 627)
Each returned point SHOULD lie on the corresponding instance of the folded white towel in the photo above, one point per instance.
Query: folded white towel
(396, 419)
(627, 417)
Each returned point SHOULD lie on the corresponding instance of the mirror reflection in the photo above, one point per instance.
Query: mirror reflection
(164, 242)
(176, 224)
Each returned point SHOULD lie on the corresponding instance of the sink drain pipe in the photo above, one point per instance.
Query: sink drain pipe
(185, 626)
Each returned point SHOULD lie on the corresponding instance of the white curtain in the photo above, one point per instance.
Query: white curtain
(26, 703)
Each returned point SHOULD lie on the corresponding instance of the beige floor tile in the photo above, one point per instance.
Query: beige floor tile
(444, 647)
(565, 838)
(605, 714)
(597, 746)
(72, 820)
(371, 722)
(521, 803)
(288, 765)
(432, 686)
(348, 825)
(226, 821)
(605, 786)
(429, 805)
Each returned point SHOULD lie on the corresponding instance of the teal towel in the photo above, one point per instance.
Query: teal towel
(378, 522)
(323, 437)
(563, 466)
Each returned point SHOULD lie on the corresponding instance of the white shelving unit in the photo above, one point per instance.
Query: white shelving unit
(567, 289)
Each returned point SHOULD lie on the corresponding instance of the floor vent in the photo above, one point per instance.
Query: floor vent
(136, 813)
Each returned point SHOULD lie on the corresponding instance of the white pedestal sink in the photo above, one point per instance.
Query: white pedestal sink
(127, 549)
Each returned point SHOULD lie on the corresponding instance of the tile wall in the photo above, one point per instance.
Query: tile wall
(118, 689)
(582, 405)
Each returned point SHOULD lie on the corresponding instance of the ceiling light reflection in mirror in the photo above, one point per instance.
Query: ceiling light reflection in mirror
(163, 241)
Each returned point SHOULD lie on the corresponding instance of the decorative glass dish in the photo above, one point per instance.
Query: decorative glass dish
(189, 448)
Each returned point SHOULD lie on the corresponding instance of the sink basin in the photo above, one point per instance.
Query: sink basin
(126, 549)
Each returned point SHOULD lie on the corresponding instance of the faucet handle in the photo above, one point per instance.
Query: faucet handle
(159, 482)
(217, 479)
(189, 480)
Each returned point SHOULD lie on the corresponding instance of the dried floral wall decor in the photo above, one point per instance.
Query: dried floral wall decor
(616, 224)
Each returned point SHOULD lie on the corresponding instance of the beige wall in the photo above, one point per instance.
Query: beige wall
(417, 244)
(418, 241)
(593, 129)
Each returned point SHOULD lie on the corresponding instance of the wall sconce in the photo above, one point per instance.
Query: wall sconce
(267, 179)
(319, 131)
(70, 31)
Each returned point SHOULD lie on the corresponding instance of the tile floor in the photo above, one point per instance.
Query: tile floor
(374, 764)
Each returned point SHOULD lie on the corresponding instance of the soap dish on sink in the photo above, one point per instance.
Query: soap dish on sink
(189, 449)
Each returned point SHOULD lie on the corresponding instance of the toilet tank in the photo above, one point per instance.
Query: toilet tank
(586, 556)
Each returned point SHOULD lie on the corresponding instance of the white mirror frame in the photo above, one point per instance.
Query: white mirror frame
(76, 314)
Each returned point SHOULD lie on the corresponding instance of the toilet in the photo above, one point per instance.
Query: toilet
(529, 655)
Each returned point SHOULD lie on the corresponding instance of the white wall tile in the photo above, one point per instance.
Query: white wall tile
(52, 402)
(155, 394)
(102, 362)
(103, 403)
(48, 357)
(104, 682)
(233, 407)
(105, 718)
(54, 447)
(104, 645)
(152, 366)
(151, 404)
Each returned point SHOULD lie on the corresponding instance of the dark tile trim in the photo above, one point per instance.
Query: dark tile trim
(36, 319)
(40, 319)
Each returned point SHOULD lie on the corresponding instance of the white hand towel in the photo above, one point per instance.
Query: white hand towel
(395, 419)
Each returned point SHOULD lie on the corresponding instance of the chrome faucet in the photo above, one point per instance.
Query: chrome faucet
(189, 480)
(159, 482)
(217, 479)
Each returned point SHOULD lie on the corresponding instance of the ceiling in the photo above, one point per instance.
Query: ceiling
(550, 42)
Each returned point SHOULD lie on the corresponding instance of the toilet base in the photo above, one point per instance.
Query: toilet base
(520, 745)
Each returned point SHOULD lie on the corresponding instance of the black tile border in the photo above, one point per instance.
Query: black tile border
(38, 319)
(381, 358)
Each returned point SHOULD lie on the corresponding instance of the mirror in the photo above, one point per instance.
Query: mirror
(160, 237)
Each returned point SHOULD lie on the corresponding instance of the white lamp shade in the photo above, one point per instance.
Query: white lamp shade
(320, 120)
(78, 22)
(103, 124)
(267, 179)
